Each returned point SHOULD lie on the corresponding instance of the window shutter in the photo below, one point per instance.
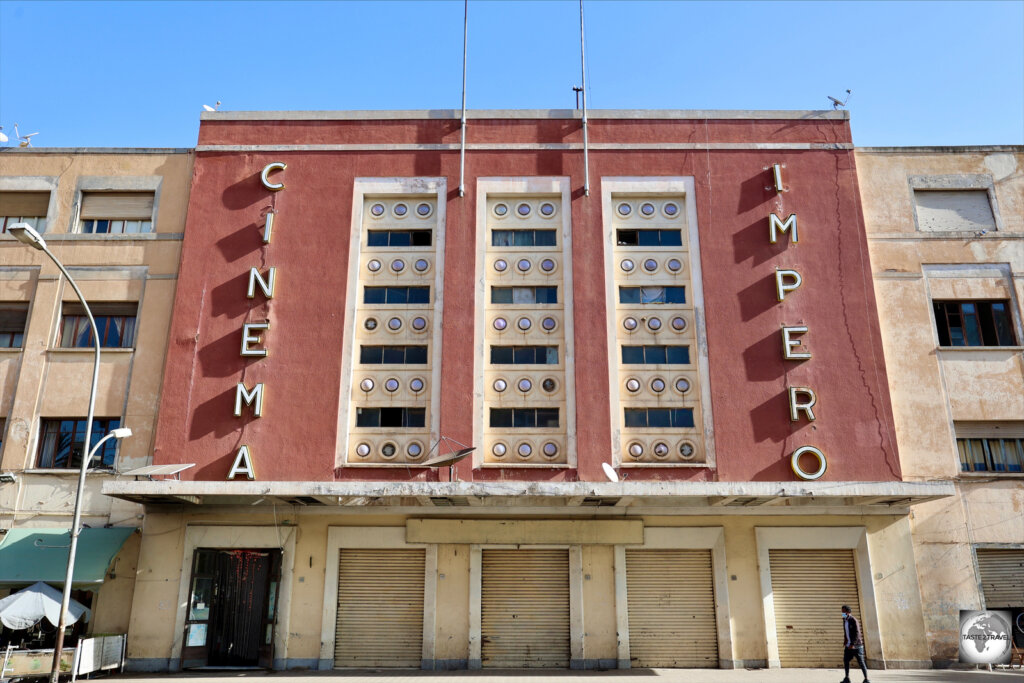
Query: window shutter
(989, 430)
(24, 203)
(117, 206)
(953, 210)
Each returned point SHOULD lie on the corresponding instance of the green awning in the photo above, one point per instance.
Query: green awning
(30, 555)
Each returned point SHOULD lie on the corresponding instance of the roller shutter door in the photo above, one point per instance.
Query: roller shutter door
(671, 599)
(380, 608)
(808, 588)
(1002, 577)
(525, 608)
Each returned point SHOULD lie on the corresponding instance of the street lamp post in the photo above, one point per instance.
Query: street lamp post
(26, 234)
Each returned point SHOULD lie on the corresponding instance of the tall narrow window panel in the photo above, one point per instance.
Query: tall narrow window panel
(974, 323)
(13, 317)
(62, 441)
(116, 212)
(114, 322)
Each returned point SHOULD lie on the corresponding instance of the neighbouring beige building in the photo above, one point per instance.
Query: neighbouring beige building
(115, 218)
(945, 231)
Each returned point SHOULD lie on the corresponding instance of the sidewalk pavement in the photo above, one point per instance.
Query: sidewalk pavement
(625, 676)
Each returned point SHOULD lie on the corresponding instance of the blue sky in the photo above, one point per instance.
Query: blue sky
(137, 73)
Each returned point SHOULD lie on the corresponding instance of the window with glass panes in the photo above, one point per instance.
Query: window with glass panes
(23, 207)
(974, 323)
(62, 441)
(999, 455)
(114, 322)
(116, 212)
(13, 317)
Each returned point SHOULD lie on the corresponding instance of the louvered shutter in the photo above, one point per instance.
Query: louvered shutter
(380, 608)
(29, 204)
(525, 608)
(671, 599)
(808, 589)
(117, 206)
(1002, 577)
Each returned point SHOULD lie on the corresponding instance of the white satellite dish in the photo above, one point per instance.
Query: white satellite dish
(3, 138)
(214, 108)
(609, 472)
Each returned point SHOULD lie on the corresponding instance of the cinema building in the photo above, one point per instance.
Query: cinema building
(114, 218)
(656, 330)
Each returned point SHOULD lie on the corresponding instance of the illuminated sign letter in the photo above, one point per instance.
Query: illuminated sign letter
(265, 175)
(777, 173)
(781, 286)
(266, 285)
(242, 465)
(776, 223)
(788, 343)
(268, 227)
(798, 470)
(254, 398)
(795, 404)
(251, 335)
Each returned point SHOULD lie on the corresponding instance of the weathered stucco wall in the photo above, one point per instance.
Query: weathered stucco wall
(933, 388)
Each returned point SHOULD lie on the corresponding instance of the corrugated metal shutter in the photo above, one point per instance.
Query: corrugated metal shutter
(24, 203)
(117, 205)
(671, 599)
(808, 589)
(1002, 577)
(380, 608)
(525, 608)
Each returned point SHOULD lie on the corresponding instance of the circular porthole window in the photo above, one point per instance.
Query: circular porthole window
(523, 210)
(363, 450)
(624, 209)
(635, 450)
(549, 324)
(547, 209)
(654, 324)
(501, 209)
(391, 385)
(525, 385)
(500, 385)
(414, 449)
(524, 324)
(630, 324)
(398, 265)
(366, 385)
(377, 210)
(524, 450)
(548, 384)
(687, 451)
(500, 324)
(671, 209)
(682, 385)
(373, 265)
(657, 385)
(370, 324)
(388, 450)
(523, 265)
(632, 385)
(627, 265)
(499, 450)
(421, 265)
(419, 323)
(678, 324)
(400, 210)
(395, 324)
(647, 209)
(650, 265)
(660, 450)
(550, 449)
(424, 209)
(547, 265)
(416, 384)
(501, 265)
(675, 265)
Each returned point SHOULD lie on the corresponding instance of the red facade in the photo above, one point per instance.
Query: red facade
(731, 161)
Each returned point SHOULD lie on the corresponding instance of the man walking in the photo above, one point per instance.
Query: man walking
(854, 644)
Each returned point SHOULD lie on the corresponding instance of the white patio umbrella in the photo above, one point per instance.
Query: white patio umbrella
(25, 608)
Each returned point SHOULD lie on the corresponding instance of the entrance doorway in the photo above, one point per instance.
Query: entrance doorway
(232, 608)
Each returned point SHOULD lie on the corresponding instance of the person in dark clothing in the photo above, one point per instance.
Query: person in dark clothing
(853, 644)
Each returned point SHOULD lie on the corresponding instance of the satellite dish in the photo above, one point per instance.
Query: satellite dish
(449, 459)
(208, 108)
(609, 472)
(3, 138)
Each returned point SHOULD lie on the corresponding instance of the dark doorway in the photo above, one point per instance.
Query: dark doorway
(232, 608)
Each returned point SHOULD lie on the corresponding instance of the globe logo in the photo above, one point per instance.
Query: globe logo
(985, 637)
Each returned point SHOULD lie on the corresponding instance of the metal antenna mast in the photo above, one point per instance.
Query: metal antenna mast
(586, 140)
(462, 146)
